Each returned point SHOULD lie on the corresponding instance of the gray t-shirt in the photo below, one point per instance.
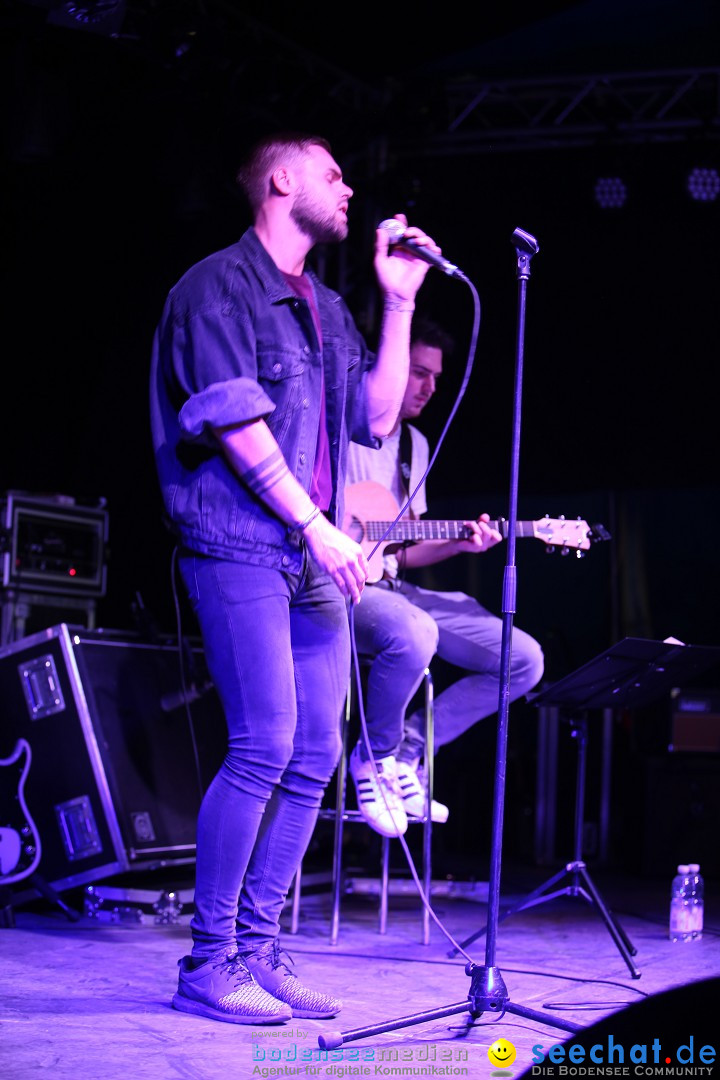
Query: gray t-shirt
(383, 467)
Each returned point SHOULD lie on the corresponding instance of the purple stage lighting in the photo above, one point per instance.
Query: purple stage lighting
(610, 191)
(703, 184)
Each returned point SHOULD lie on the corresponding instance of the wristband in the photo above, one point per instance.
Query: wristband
(302, 525)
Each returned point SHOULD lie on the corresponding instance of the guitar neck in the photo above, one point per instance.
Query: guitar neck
(408, 529)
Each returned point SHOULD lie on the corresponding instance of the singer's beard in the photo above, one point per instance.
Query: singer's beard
(320, 226)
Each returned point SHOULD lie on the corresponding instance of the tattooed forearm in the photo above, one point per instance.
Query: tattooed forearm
(266, 474)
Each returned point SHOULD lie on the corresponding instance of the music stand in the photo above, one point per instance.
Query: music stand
(631, 674)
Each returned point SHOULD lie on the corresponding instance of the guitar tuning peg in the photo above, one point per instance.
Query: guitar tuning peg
(580, 554)
(561, 518)
(549, 549)
(564, 551)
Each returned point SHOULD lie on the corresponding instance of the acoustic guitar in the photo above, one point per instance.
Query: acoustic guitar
(370, 510)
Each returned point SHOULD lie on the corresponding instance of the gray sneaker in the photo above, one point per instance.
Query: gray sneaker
(222, 988)
(275, 976)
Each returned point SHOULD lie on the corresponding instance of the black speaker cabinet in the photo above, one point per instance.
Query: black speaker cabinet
(107, 743)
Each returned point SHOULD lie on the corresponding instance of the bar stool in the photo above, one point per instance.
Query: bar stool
(340, 815)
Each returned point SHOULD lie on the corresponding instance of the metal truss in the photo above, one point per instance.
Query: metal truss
(496, 114)
(268, 77)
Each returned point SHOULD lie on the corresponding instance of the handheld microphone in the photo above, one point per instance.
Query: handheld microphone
(396, 229)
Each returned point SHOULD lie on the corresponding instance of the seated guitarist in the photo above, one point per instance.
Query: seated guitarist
(401, 626)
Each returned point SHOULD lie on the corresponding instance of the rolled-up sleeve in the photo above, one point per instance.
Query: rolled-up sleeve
(233, 402)
(213, 348)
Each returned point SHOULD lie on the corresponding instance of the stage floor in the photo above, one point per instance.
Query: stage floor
(91, 997)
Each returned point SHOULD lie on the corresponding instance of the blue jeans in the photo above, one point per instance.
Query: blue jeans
(277, 650)
(401, 627)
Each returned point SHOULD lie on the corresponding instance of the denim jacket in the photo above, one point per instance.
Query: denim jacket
(234, 344)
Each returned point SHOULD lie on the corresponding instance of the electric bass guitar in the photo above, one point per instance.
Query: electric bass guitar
(370, 510)
(20, 849)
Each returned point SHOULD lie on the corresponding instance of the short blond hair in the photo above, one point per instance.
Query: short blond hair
(254, 174)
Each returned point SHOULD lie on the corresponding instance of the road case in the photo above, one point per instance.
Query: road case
(107, 743)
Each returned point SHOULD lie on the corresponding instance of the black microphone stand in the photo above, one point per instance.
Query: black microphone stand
(487, 988)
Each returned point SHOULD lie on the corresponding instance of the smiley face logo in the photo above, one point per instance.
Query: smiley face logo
(502, 1053)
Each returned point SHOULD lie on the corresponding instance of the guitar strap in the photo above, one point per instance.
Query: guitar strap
(405, 474)
(405, 456)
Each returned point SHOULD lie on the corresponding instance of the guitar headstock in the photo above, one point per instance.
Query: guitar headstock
(569, 534)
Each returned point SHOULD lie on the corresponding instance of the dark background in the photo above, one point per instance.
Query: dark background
(122, 128)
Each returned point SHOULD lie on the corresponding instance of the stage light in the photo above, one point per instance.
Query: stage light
(703, 184)
(104, 17)
(610, 191)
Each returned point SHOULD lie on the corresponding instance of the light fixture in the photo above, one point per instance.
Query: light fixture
(703, 184)
(103, 17)
(610, 191)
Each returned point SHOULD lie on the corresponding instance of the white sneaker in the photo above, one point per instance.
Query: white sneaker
(413, 789)
(379, 799)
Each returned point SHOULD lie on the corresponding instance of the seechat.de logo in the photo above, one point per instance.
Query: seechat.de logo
(617, 1059)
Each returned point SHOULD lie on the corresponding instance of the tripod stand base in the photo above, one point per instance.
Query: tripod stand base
(8, 900)
(589, 892)
(487, 994)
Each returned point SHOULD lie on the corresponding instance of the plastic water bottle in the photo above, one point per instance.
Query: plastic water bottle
(679, 906)
(686, 903)
(698, 900)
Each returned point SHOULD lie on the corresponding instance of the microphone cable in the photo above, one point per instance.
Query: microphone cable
(472, 348)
